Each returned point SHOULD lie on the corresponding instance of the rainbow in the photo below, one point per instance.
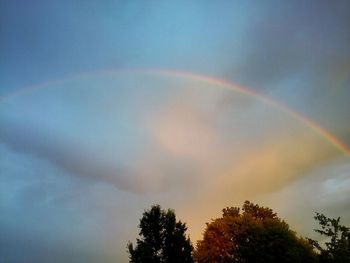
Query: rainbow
(220, 83)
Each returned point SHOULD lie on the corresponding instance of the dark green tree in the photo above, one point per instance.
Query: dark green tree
(162, 239)
(337, 246)
(253, 235)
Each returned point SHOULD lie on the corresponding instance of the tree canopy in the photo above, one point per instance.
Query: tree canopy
(337, 246)
(253, 234)
(162, 239)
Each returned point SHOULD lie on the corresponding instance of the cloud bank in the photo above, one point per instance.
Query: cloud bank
(120, 150)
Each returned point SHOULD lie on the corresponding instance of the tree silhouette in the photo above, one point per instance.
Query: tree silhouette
(254, 235)
(162, 239)
(338, 240)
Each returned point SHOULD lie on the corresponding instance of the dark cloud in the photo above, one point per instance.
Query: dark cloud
(68, 155)
(298, 53)
(19, 245)
(311, 39)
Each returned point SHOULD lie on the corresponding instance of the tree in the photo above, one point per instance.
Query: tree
(254, 235)
(338, 240)
(163, 239)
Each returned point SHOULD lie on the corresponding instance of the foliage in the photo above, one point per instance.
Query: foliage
(162, 239)
(254, 235)
(337, 246)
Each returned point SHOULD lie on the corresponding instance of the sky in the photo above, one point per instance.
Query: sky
(108, 107)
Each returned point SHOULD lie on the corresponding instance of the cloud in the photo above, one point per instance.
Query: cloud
(292, 55)
(188, 133)
(68, 155)
(87, 132)
(281, 44)
(49, 215)
(122, 143)
(81, 160)
(235, 154)
(324, 189)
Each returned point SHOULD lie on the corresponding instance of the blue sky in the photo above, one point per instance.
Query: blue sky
(83, 155)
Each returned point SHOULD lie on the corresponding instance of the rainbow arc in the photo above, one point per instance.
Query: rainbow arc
(214, 82)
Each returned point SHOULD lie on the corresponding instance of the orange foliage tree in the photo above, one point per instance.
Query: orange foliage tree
(253, 234)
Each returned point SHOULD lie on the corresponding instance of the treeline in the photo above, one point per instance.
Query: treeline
(251, 234)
